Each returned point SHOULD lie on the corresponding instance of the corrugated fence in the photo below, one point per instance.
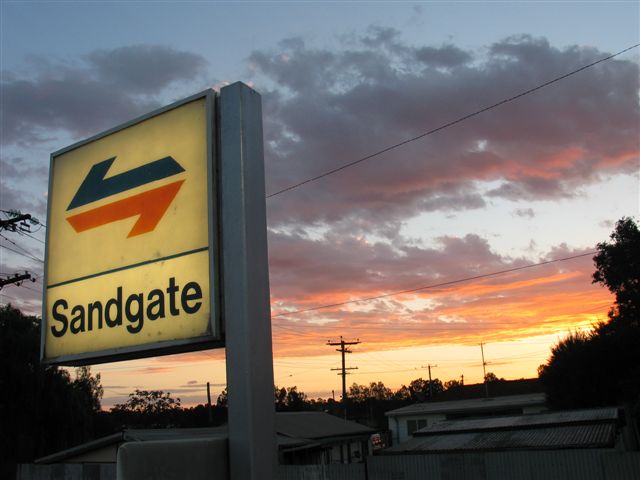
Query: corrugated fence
(67, 471)
(542, 465)
(354, 471)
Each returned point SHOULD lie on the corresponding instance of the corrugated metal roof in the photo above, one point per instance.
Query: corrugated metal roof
(293, 429)
(564, 417)
(145, 435)
(316, 425)
(573, 436)
(148, 434)
(477, 404)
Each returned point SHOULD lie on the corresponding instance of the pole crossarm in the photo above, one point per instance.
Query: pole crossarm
(17, 278)
(10, 224)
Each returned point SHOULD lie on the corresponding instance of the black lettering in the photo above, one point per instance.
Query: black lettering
(120, 308)
(97, 307)
(188, 297)
(114, 302)
(171, 290)
(155, 304)
(138, 316)
(59, 317)
(77, 322)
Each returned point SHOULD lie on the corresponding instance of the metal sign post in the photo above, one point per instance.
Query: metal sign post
(247, 319)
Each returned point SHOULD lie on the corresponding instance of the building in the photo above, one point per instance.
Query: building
(571, 429)
(302, 437)
(403, 422)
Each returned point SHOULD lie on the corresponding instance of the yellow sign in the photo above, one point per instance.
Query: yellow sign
(130, 254)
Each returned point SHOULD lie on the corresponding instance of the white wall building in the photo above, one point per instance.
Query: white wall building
(406, 420)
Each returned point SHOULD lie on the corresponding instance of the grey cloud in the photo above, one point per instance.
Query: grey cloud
(12, 198)
(445, 56)
(85, 98)
(524, 212)
(298, 68)
(608, 224)
(74, 102)
(145, 68)
(9, 168)
(341, 105)
(17, 168)
(195, 386)
(378, 36)
(338, 262)
(455, 202)
(532, 188)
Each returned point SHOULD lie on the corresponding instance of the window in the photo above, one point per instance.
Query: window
(413, 425)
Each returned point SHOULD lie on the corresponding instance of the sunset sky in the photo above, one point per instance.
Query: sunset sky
(541, 178)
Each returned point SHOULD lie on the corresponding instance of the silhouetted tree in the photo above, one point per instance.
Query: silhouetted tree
(419, 390)
(492, 377)
(373, 391)
(449, 384)
(147, 408)
(89, 386)
(41, 409)
(290, 399)
(403, 394)
(618, 268)
(378, 391)
(602, 367)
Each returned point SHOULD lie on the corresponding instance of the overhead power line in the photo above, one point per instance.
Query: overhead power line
(443, 284)
(31, 236)
(451, 123)
(23, 254)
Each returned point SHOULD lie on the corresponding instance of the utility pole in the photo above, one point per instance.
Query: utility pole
(343, 370)
(462, 379)
(430, 381)
(17, 279)
(484, 372)
(209, 404)
(10, 224)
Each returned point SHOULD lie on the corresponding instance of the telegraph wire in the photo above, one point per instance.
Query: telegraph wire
(443, 284)
(2, 294)
(32, 289)
(31, 236)
(20, 247)
(451, 123)
(20, 253)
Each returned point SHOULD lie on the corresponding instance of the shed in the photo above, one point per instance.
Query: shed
(403, 422)
(572, 429)
(302, 437)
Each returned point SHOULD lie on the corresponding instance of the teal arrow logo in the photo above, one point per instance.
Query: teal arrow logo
(96, 187)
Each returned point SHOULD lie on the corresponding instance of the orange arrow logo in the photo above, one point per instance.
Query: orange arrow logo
(150, 206)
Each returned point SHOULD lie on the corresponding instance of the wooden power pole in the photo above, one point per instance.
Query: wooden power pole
(343, 369)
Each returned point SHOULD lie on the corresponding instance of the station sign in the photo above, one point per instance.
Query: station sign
(132, 242)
